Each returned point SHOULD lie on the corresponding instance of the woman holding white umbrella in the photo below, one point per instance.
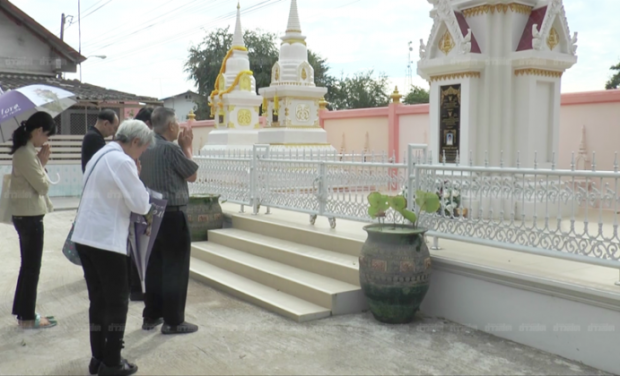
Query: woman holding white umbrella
(28, 202)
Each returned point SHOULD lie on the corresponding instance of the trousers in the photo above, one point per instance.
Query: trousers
(30, 231)
(108, 291)
(167, 274)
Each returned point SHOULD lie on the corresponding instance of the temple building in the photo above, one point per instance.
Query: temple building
(234, 102)
(292, 102)
(495, 70)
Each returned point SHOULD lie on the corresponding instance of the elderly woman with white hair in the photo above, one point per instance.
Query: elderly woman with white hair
(112, 191)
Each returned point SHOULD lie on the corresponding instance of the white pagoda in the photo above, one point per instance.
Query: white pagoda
(234, 102)
(292, 102)
(495, 69)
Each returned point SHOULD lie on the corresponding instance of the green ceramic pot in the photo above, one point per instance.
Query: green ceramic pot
(204, 213)
(395, 269)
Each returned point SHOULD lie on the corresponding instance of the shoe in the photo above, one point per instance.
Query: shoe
(136, 296)
(124, 369)
(150, 324)
(93, 367)
(36, 323)
(184, 328)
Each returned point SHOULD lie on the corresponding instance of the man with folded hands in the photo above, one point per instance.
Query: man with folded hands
(167, 168)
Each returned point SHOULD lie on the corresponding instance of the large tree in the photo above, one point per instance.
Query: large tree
(417, 95)
(362, 90)
(205, 59)
(614, 81)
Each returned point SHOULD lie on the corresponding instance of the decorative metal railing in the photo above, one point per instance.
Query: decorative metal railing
(570, 214)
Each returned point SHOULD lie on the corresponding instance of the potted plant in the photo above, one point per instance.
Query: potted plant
(395, 261)
(204, 213)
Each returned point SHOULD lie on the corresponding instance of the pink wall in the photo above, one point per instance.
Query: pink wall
(390, 129)
(599, 111)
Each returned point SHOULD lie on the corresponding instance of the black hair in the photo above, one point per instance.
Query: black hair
(38, 120)
(108, 115)
(144, 114)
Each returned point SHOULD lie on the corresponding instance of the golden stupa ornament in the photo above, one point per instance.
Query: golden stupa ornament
(553, 39)
(396, 96)
(446, 44)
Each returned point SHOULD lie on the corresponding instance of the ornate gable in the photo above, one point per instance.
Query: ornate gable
(547, 29)
(444, 19)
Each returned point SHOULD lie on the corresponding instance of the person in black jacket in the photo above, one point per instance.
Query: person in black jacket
(145, 115)
(106, 126)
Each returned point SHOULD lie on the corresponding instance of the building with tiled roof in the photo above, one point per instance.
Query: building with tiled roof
(31, 54)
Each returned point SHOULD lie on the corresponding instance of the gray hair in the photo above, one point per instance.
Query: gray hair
(135, 129)
(161, 117)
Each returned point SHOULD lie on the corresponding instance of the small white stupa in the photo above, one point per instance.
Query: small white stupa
(234, 102)
(292, 102)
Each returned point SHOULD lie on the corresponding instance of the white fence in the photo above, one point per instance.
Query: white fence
(568, 214)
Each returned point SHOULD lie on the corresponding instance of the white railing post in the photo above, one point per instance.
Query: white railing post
(257, 152)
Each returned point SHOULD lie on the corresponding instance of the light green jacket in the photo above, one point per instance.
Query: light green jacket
(29, 184)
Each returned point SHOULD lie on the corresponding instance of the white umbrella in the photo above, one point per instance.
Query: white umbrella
(19, 104)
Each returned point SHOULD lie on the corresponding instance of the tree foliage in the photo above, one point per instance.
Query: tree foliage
(614, 81)
(362, 90)
(417, 95)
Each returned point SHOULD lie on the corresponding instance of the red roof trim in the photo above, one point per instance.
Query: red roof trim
(536, 17)
(475, 48)
(21, 18)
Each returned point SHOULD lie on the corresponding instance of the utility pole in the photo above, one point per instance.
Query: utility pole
(62, 27)
(80, 36)
(409, 68)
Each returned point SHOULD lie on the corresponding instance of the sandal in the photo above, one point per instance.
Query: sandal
(36, 323)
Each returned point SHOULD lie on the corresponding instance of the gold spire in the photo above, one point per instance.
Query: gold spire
(323, 104)
(191, 116)
(396, 96)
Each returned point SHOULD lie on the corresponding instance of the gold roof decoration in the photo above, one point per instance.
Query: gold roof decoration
(446, 43)
(554, 39)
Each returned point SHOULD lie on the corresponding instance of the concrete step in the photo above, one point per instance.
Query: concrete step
(338, 296)
(253, 292)
(306, 235)
(331, 264)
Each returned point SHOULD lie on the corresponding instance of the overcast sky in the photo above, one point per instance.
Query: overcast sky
(146, 41)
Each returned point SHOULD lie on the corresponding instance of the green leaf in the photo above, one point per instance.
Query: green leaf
(409, 215)
(427, 201)
(398, 203)
(432, 203)
(378, 201)
(374, 199)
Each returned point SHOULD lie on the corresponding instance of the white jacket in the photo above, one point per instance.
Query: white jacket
(112, 192)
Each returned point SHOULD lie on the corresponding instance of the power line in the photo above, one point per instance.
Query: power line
(72, 22)
(165, 59)
(109, 1)
(94, 5)
(101, 38)
(185, 33)
(123, 36)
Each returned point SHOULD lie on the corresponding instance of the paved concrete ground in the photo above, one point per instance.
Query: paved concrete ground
(238, 338)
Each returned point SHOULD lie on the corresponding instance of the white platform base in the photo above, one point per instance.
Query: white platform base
(551, 316)
(230, 139)
(290, 135)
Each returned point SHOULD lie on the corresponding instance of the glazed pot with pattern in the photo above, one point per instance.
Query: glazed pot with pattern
(204, 213)
(395, 270)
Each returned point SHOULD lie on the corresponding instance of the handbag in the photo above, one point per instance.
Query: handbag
(5, 208)
(69, 249)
